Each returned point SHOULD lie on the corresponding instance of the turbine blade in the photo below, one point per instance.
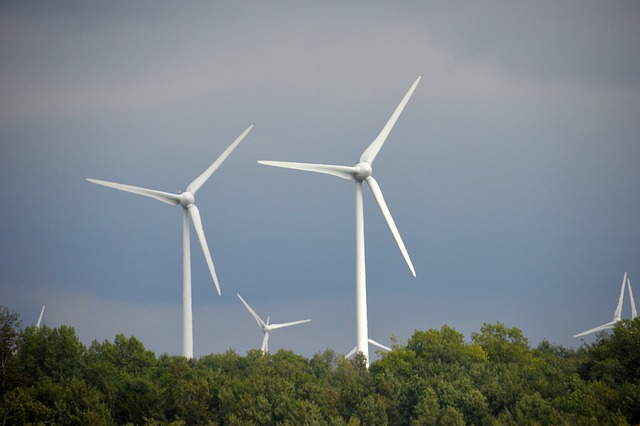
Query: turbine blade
(265, 343)
(380, 345)
(344, 172)
(165, 197)
(372, 151)
(599, 328)
(351, 353)
(618, 313)
(257, 318)
(197, 225)
(634, 312)
(287, 324)
(200, 180)
(377, 194)
(40, 317)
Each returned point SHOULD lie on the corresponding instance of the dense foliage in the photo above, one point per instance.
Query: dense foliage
(49, 377)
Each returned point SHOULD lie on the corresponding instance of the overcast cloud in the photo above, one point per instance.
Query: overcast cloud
(512, 173)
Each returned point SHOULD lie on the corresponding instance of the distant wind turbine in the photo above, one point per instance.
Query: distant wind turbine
(374, 343)
(40, 317)
(634, 311)
(359, 173)
(617, 315)
(266, 327)
(191, 213)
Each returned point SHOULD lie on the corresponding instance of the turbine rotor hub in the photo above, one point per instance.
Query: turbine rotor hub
(187, 199)
(363, 171)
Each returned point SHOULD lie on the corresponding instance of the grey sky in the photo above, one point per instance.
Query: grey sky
(512, 173)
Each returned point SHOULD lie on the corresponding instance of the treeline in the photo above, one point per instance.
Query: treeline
(438, 378)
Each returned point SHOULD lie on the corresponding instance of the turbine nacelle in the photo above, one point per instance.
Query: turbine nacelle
(187, 199)
(363, 171)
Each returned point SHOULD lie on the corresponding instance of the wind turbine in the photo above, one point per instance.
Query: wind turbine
(362, 172)
(352, 352)
(40, 317)
(191, 213)
(617, 315)
(266, 327)
(634, 311)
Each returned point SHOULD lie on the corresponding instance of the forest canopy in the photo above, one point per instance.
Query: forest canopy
(48, 376)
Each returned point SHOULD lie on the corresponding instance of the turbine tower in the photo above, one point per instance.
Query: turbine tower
(266, 327)
(617, 315)
(362, 172)
(191, 213)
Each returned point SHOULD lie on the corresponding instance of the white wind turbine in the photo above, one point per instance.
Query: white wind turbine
(617, 315)
(266, 327)
(191, 213)
(359, 173)
(634, 311)
(40, 317)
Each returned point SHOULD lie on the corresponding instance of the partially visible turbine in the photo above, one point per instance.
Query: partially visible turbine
(617, 315)
(191, 213)
(634, 311)
(266, 327)
(40, 317)
(353, 351)
(362, 172)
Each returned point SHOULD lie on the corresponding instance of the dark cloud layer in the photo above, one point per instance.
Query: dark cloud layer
(512, 173)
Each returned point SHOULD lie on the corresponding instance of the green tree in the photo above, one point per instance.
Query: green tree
(444, 346)
(613, 362)
(451, 417)
(532, 409)
(127, 355)
(20, 407)
(71, 402)
(56, 353)
(398, 379)
(511, 369)
(502, 344)
(9, 335)
(427, 409)
(185, 390)
(436, 378)
(353, 383)
(122, 372)
(372, 410)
